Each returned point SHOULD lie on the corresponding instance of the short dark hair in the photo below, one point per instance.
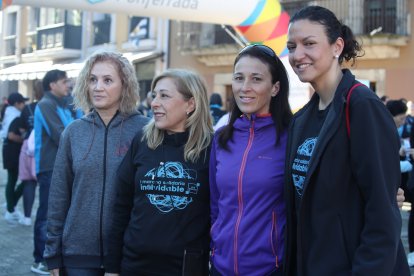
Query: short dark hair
(52, 76)
(215, 98)
(396, 107)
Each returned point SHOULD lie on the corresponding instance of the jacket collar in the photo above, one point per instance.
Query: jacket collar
(60, 101)
(243, 123)
(94, 118)
(176, 139)
(330, 127)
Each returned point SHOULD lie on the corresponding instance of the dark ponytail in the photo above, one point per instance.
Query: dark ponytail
(351, 46)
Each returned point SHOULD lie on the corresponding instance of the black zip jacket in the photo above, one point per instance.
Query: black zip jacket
(349, 222)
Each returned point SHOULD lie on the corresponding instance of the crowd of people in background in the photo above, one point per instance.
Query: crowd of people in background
(404, 123)
(182, 184)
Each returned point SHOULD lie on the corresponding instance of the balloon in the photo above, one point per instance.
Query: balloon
(267, 25)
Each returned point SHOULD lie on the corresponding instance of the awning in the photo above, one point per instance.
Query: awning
(37, 70)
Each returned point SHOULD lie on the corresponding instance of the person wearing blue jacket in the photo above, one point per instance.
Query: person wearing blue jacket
(247, 169)
(51, 116)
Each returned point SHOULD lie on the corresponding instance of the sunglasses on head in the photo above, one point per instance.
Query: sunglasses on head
(263, 48)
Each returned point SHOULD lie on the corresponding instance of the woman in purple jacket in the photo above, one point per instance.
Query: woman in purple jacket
(247, 169)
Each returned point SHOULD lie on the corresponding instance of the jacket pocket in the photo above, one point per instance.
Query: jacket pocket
(195, 262)
(274, 238)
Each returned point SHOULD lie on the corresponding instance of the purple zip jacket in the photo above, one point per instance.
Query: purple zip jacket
(247, 201)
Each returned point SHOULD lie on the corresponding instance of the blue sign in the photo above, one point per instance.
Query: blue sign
(95, 1)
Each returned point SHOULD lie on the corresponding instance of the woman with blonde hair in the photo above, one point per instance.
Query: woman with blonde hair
(161, 226)
(91, 148)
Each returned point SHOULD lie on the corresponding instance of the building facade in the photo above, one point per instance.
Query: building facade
(34, 40)
(37, 39)
(382, 26)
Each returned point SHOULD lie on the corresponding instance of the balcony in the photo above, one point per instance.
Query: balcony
(61, 36)
(382, 26)
(58, 41)
(210, 43)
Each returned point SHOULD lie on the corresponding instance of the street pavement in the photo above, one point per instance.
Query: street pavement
(16, 241)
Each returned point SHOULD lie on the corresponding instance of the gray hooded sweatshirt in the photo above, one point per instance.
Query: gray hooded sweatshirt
(82, 191)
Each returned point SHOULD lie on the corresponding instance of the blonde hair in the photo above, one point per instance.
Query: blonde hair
(130, 88)
(198, 123)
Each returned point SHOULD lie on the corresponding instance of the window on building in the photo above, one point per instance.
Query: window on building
(11, 23)
(380, 14)
(145, 73)
(101, 28)
(138, 29)
(33, 19)
(74, 17)
(222, 37)
(51, 16)
(10, 34)
(189, 35)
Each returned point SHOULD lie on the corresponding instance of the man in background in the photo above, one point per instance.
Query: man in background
(52, 115)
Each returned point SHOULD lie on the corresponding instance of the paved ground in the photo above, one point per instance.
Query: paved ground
(16, 241)
(405, 214)
(16, 246)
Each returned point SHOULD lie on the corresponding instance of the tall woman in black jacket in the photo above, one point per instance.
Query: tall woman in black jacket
(343, 217)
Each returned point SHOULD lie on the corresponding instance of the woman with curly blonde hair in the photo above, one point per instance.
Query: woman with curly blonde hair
(161, 225)
(82, 193)
(130, 89)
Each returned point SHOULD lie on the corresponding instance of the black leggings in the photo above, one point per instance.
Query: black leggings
(12, 193)
(29, 192)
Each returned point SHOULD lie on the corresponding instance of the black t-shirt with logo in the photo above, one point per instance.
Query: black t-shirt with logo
(309, 138)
